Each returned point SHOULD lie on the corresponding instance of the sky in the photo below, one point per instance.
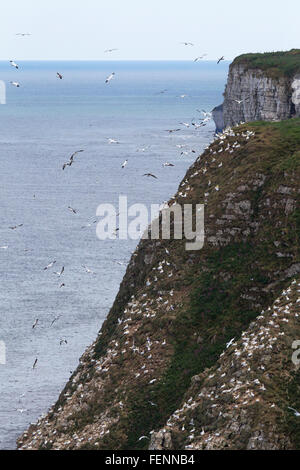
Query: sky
(145, 29)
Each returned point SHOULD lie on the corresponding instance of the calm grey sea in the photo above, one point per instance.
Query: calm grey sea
(43, 122)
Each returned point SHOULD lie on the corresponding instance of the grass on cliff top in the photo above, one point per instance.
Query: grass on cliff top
(276, 64)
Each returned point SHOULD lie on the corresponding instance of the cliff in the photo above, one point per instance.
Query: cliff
(158, 363)
(245, 400)
(262, 87)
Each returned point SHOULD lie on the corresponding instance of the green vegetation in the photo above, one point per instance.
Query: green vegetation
(218, 291)
(231, 285)
(276, 64)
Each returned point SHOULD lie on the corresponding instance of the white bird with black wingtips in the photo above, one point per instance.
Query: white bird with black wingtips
(14, 64)
(110, 77)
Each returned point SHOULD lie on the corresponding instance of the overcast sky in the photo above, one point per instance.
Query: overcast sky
(146, 29)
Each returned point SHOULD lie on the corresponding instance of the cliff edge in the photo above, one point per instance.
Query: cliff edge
(262, 87)
(184, 324)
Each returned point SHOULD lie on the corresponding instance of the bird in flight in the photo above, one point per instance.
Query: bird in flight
(14, 64)
(35, 363)
(168, 164)
(50, 265)
(143, 149)
(74, 154)
(125, 163)
(63, 341)
(89, 224)
(150, 175)
(66, 164)
(113, 141)
(16, 226)
(71, 161)
(200, 57)
(72, 210)
(197, 126)
(187, 43)
(220, 60)
(35, 323)
(207, 114)
(61, 272)
(59, 75)
(120, 263)
(55, 319)
(110, 77)
(16, 84)
(110, 50)
(230, 343)
(172, 130)
(241, 101)
(88, 270)
(23, 34)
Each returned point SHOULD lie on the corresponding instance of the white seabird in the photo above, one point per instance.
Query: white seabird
(110, 77)
(61, 272)
(50, 265)
(168, 164)
(200, 57)
(14, 64)
(88, 270)
(230, 343)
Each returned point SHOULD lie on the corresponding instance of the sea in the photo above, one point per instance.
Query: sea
(43, 122)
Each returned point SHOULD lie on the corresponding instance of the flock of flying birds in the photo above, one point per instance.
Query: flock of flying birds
(202, 122)
(184, 151)
(107, 51)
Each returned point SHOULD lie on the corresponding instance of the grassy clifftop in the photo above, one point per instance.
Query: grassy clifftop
(176, 310)
(276, 64)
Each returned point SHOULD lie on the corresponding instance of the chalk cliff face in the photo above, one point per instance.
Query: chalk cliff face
(264, 98)
(159, 372)
(262, 87)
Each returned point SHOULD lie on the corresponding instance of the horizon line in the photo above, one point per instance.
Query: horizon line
(111, 59)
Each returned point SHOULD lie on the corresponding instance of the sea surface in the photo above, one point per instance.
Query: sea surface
(42, 124)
